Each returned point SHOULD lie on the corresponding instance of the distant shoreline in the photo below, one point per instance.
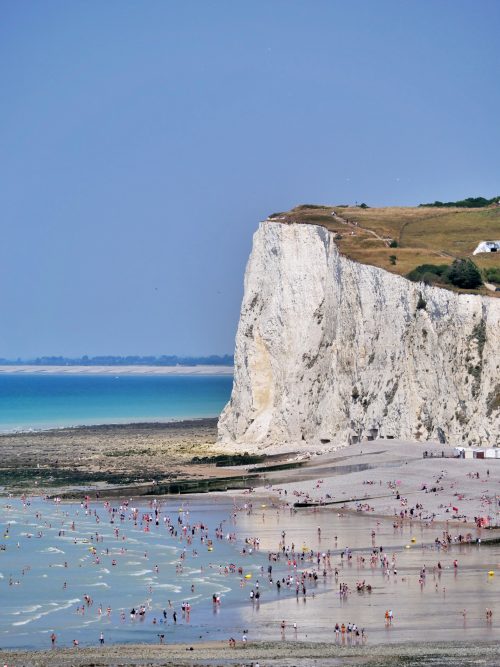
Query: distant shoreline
(106, 426)
(22, 369)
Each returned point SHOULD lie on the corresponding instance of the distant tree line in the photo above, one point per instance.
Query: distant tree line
(114, 360)
(470, 202)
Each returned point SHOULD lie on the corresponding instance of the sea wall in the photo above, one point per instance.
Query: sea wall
(329, 350)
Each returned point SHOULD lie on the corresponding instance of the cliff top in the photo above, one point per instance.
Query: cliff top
(398, 239)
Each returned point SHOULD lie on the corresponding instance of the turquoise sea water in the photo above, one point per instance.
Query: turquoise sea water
(46, 401)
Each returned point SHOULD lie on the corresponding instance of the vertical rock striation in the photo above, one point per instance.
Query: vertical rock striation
(329, 350)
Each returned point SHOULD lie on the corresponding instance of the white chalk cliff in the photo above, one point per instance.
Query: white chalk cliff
(329, 350)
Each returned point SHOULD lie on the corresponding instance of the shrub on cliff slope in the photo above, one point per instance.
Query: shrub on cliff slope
(430, 274)
(465, 274)
(462, 273)
(492, 275)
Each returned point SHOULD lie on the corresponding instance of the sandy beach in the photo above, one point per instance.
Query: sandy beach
(387, 477)
(366, 478)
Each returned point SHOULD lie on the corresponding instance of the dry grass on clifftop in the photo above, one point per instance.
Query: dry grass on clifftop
(424, 235)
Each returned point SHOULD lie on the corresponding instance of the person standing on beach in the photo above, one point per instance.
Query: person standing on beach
(53, 639)
(101, 639)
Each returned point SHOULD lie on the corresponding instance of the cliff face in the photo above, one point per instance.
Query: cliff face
(328, 349)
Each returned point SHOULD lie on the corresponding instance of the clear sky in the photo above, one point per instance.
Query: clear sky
(142, 142)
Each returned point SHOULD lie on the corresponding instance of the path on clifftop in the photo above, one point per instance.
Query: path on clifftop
(385, 241)
(355, 225)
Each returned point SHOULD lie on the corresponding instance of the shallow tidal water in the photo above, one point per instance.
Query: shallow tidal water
(47, 566)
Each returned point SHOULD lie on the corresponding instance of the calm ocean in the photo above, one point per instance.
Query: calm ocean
(46, 401)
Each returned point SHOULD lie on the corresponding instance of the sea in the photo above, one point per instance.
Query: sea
(156, 555)
(37, 401)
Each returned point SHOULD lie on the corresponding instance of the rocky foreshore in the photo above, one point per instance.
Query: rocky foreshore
(105, 455)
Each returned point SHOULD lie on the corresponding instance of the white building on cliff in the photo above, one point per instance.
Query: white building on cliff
(487, 246)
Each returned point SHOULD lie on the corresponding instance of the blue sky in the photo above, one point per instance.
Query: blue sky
(142, 142)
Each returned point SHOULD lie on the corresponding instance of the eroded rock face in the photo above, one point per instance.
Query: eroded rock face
(328, 349)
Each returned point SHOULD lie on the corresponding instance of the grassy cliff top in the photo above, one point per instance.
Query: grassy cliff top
(418, 235)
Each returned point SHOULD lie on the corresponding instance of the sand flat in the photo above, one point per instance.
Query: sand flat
(117, 370)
